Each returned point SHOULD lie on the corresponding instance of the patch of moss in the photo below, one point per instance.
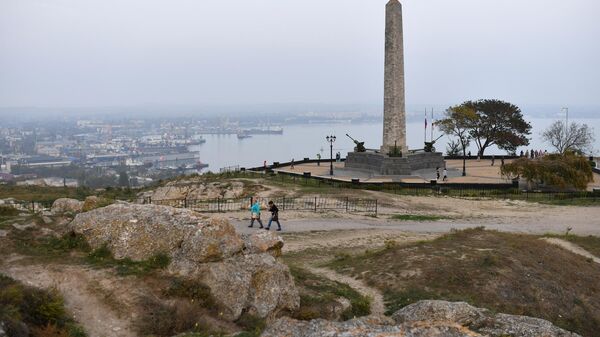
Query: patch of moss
(192, 289)
(102, 257)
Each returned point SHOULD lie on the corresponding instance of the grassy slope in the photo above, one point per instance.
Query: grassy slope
(515, 274)
(590, 243)
(317, 294)
(40, 312)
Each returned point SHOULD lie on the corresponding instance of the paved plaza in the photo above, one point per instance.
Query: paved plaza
(478, 172)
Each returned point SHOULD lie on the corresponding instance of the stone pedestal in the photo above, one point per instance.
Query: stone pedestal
(381, 164)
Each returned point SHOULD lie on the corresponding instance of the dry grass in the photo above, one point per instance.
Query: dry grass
(318, 297)
(28, 311)
(590, 243)
(509, 273)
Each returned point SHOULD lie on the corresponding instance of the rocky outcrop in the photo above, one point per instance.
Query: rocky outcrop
(424, 319)
(253, 283)
(197, 190)
(139, 232)
(242, 279)
(263, 242)
(93, 202)
(66, 205)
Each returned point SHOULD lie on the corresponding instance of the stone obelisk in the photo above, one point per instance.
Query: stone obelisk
(394, 114)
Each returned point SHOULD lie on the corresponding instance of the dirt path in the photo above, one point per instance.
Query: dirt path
(377, 302)
(357, 239)
(572, 248)
(87, 293)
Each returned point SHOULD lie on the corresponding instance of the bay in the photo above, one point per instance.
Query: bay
(300, 141)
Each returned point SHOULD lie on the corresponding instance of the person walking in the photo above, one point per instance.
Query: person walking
(437, 173)
(493, 160)
(318, 159)
(265, 165)
(255, 211)
(292, 164)
(445, 174)
(274, 216)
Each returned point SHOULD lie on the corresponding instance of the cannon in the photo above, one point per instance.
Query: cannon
(360, 146)
(429, 146)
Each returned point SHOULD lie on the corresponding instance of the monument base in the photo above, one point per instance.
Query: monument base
(382, 164)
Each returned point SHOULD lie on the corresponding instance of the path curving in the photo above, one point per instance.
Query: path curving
(573, 248)
(377, 302)
(86, 307)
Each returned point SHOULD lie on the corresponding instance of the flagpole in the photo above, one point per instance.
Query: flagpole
(432, 124)
(425, 131)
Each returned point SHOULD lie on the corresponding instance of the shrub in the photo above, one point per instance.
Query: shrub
(160, 319)
(8, 211)
(192, 289)
(389, 244)
(252, 325)
(41, 312)
(560, 170)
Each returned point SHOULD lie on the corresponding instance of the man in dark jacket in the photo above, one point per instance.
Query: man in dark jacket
(274, 215)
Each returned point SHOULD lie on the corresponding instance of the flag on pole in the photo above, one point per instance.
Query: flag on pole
(425, 120)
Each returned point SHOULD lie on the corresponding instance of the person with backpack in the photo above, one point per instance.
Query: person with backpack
(255, 210)
(274, 216)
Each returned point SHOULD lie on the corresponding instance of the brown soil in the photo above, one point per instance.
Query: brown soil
(100, 303)
(508, 273)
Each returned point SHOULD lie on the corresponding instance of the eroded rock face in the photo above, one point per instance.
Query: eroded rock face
(264, 242)
(424, 319)
(93, 202)
(213, 241)
(253, 283)
(197, 190)
(479, 320)
(206, 249)
(139, 232)
(66, 205)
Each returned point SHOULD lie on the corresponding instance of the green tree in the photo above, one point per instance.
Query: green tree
(457, 123)
(497, 123)
(565, 171)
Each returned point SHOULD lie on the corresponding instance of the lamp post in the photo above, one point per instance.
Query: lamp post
(330, 140)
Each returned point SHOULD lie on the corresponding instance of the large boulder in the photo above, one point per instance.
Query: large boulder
(254, 283)
(66, 205)
(480, 320)
(213, 241)
(263, 242)
(209, 250)
(139, 232)
(424, 319)
(93, 202)
(196, 190)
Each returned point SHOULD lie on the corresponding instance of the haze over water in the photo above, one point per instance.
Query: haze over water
(300, 141)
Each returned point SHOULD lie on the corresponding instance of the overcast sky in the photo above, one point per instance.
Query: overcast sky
(131, 52)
